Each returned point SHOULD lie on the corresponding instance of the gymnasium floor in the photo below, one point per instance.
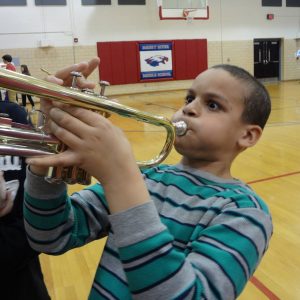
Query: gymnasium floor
(272, 168)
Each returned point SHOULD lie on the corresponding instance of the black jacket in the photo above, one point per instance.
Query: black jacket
(20, 272)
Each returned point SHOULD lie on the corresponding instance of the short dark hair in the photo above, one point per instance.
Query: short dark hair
(7, 57)
(257, 100)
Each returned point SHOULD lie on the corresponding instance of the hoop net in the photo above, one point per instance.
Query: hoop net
(189, 14)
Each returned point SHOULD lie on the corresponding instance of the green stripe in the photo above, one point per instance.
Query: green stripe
(81, 228)
(98, 190)
(235, 241)
(110, 282)
(151, 244)
(153, 272)
(178, 230)
(228, 263)
(48, 204)
(52, 220)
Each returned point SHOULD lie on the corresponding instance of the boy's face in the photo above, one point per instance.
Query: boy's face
(212, 111)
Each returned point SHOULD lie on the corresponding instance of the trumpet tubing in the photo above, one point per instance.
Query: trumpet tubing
(16, 141)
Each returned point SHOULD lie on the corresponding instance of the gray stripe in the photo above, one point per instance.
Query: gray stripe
(54, 234)
(111, 262)
(209, 176)
(45, 189)
(44, 212)
(98, 223)
(148, 257)
(246, 228)
(214, 274)
(54, 247)
(255, 201)
(97, 287)
(206, 289)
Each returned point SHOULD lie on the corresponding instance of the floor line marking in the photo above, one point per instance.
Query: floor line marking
(273, 177)
(268, 293)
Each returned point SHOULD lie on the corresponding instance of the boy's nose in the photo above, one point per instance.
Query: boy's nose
(191, 109)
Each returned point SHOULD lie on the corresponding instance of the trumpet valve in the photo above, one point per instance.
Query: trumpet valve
(75, 76)
(103, 85)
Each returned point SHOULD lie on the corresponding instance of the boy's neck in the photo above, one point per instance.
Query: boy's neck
(218, 168)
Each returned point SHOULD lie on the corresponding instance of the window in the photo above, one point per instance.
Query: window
(132, 2)
(13, 2)
(271, 3)
(96, 2)
(50, 2)
(293, 3)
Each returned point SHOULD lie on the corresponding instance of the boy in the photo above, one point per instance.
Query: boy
(189, 231)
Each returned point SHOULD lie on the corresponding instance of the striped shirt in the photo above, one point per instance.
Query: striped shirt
(200, 236)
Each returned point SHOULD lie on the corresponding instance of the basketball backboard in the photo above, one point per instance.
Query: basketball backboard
(183, 9)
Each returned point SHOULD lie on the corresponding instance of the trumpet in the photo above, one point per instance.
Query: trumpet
(17, 139)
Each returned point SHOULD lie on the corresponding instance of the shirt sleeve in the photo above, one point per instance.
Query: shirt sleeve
(216, 264)
(55, 222)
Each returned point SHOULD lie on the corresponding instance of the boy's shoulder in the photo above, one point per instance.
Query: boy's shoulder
(195, 183)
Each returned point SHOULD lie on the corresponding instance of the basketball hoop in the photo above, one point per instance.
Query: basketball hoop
(188, 14)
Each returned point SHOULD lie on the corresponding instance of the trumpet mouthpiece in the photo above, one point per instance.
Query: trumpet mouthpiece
(180, 128)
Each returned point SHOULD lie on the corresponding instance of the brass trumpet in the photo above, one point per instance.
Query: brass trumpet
(17, 140)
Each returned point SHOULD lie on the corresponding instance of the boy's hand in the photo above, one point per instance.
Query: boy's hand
(94, 143)
(100, 148)
(63, 77)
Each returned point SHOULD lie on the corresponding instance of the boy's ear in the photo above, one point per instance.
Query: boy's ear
(250, 136)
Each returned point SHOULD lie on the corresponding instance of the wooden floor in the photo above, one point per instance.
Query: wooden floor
(272, 168)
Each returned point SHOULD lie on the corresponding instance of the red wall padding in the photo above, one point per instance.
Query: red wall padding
(120, 60)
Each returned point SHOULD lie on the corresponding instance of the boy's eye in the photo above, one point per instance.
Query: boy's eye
(189, 99)
(212, 105)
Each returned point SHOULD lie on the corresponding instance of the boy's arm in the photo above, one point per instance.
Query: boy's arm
(55, 222)
(216, 265)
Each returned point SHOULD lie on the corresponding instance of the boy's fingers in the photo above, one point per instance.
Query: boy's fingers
(64, 159)
(64, 73)
(76, 119)
(66, 135)
(53, 79)
(92, 65)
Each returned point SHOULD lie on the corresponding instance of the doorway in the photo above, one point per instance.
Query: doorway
(267, 59)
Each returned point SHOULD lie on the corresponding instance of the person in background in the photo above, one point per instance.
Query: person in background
(25, 70)
(20, 270)
(10, 95)
(185, 231)
(7, 59)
